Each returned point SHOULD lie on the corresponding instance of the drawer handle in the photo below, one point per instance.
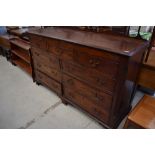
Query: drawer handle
(55, 73)
(94, 63)
(71, 95)
(99, 97)
(59, 50)
(97, 111)
(101, 82)
(70, 81)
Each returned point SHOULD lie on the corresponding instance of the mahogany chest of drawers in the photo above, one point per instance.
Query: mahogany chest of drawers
(95, 72)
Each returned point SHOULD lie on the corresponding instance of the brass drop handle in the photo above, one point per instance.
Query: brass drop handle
(97, 111)
(94, 62)
(100, 81)
(97, 62)
(54, 72)
(99, 97)
(71, 95)
(59, 50)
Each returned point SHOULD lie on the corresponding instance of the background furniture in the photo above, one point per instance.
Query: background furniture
(20, 32)
(5, 45)
(5, 42)
(147, 72)
(21, 55)
(143, 115)
(95, 72)
(20, 49)
(152, 45)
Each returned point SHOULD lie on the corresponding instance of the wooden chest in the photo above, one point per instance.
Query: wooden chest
(95, 72)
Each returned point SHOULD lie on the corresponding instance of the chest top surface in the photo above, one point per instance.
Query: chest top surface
(112, 43)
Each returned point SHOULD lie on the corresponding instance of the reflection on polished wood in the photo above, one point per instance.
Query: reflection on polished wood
(143, 115)
(21, 55)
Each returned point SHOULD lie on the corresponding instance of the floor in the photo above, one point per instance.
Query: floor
(25, 105)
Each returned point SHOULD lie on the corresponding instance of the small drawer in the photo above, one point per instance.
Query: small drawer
(50, 83)
(99, 98)
(87, 105)
(51, 72)
(45, 57)
(38, 41)
(96, 79)
(53, 46)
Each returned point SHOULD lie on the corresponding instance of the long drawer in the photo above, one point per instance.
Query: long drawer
(94, 60)
(51, 45)
(44, 57)
(98, 98)
(51, 72)
(50, 83)
(66, 47)
(86, 104)
(95, 102)
(89, 76)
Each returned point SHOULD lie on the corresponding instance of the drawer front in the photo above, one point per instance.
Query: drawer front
(53, 46)
(38, 41)
(50, 83)
(43, 57)
(86, 104)
(98, 98)
(100, 53)
(52, 72)
(94, 78)
(92, 60)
